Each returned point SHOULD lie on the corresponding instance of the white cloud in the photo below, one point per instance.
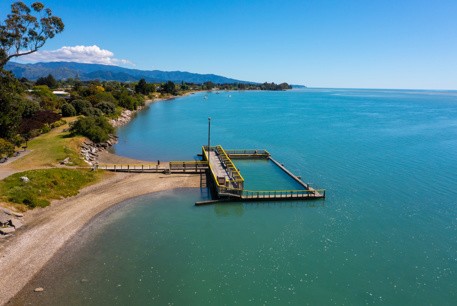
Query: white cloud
(81, 54)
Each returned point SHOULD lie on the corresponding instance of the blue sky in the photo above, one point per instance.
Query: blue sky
(355, 44)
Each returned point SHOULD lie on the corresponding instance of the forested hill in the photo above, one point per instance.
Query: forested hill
(87, 72)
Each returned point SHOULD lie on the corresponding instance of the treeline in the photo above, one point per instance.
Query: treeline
(239, 86)
(29, 108)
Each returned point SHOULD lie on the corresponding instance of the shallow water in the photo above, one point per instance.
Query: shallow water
(386, 234)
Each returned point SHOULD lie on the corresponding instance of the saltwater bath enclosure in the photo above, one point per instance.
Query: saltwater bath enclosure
(228, 184)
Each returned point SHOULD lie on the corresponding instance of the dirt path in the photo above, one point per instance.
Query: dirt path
(47, 229)
(6, 170)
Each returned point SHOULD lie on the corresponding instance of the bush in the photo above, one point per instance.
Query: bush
(68, 110)
(58, 123)
(96, 129)
(6, 148)
(46, 128)
(101, 97)
(80, 105)
(30, 108)
(47, 99)
(107, 108)
(92, 111)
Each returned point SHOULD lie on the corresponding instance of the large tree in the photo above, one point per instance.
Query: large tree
(26, 29)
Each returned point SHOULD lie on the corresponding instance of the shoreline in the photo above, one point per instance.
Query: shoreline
(127, 115)
(48, 230)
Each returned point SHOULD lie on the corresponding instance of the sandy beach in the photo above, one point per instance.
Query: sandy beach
(48, 229)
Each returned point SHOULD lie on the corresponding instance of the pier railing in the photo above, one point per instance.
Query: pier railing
(131, 167)
(235, 178)
(282, 194)
(248, 154)
(173, 166)
(232, 170)
(195, 165)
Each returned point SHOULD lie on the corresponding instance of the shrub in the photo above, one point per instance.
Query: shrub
(58, 123)
(107, 108)
(30, 108)
(6, 148)
(80, 105)
(92, 111)
(68, 110)
(96, 129)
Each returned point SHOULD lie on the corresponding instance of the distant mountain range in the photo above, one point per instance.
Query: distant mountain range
(86, 72)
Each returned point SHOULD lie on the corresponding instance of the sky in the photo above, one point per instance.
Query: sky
(409, 44)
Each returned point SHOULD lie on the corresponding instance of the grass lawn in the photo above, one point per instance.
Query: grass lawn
(48, 179)
(45, 185)
(49, 149)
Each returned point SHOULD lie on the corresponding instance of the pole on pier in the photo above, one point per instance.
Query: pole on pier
(209, 138)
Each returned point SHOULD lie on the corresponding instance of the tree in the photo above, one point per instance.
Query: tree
(96, 129)
(208, 85)
(49, 81)
(10, 105)
(80, 105)
(26, 30)
(141, 87)
(68, 110)
(47, 99)
(107, 108)
(169, 87)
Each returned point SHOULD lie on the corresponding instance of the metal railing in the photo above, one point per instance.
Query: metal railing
(232, 170)
(196, 164)
(248, 153)
(285, 194)
(128, 167)
(234, 175)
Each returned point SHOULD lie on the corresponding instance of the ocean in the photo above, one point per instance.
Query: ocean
(385, 234)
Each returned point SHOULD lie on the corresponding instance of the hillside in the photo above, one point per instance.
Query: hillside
(85, 72)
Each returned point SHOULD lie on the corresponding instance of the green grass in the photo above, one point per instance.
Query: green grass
(45, 185)
(49, 149)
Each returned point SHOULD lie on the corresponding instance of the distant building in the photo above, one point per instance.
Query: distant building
(62, 94)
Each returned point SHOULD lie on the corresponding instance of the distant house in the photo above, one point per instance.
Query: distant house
(62, 94)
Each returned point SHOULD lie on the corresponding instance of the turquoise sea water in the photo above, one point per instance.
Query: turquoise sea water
(386, 233)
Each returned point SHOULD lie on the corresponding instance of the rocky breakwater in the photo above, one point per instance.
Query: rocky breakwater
(90, 150)
(124, 118)
(10, 221)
